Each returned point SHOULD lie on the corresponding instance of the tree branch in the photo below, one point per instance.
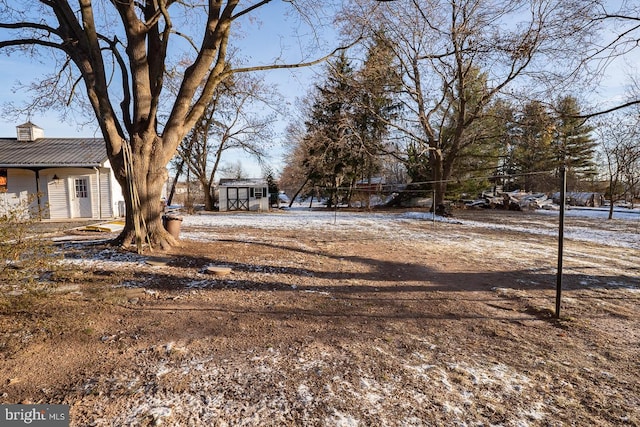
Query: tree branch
(297, 65)
(125, 104)
(249, 9)
(29, 25)
(29, 41)
(610, 110)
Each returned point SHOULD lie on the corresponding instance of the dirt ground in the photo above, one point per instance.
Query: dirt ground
(439, 324)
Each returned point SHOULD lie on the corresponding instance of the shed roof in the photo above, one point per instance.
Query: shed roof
(52, 152)
(248, 182)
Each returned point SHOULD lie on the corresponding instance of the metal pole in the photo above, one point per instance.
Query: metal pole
(563, 190)
(433, 207)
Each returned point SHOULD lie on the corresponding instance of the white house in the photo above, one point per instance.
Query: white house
(243, 195)
(62, 178)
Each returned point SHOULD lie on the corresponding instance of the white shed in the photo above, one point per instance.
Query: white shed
(243, 195)
(62, 178)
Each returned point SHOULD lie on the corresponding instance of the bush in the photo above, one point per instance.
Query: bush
(27, 257)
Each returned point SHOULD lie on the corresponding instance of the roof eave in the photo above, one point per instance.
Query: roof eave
(45, 166)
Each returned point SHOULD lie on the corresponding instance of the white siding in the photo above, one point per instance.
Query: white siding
(106, 205)
(21, 180)
(104, 198)
(95, 195)
(10, 201)
(116, 198)
(21, 188)
(55, 195)
(222, 199)
(58, 194)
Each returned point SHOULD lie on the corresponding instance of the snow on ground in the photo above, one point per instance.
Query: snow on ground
(393, 223)
(207, 397)
(401, 399)
(597, 213)
(203, 226)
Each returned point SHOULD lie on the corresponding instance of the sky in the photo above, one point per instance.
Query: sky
(263, 39)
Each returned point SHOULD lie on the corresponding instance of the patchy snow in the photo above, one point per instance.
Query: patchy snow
(600, 213)
(203, 227)
(214, 390)
(402, 227)
(207, 397)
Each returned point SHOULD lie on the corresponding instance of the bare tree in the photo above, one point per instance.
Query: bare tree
(229, 122)
(234, 170)
(456, 57)
(294, 178)
(118, 53)
(619, 146)
(616, 30)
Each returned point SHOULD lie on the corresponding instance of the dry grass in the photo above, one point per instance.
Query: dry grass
(440, 326)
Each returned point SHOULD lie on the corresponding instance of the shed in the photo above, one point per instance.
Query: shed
(243, 195)
(61, 178)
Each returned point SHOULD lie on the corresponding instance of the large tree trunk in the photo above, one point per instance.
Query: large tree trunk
(144, 222)
(209, 200)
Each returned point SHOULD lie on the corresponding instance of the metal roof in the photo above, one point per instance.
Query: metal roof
(52, 152)
(248, 182)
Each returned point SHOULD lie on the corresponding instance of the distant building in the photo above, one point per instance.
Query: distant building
(243, 195)
(61, 178)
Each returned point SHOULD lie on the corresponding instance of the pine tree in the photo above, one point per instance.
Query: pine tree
(574, 144)
(272, 185)
(533, 153)
(347, 123)
(329, 158)
(377, 81)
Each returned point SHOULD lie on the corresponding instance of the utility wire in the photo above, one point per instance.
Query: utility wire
(478, 178)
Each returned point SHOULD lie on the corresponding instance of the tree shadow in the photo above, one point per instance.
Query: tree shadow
(406, 289)
(405, 277)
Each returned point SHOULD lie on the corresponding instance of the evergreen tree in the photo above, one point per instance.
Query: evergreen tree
(575, 147)
(377, 80)
(533, 155)
(347, 124)
(330, 138)
(543, 141)
(272, 185)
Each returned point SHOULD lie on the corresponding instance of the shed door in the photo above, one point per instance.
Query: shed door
(80, 197)
(238, 198)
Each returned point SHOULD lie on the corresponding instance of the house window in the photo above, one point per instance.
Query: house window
(252, 192)
(82, 190)
(259, 192)
(3, 180)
